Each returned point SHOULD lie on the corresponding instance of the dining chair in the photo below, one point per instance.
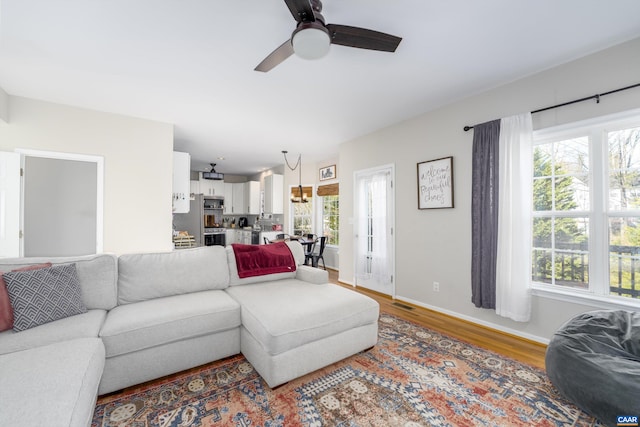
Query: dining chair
(309, 247)
(315, 257)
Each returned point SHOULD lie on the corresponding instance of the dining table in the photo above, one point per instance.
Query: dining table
(303, 240)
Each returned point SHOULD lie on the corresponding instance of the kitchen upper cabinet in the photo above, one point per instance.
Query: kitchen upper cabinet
(241, 198)
(252, 197)
(211, 187)
(181, 185)
(228, 198)
(274, 194)
(238, 199)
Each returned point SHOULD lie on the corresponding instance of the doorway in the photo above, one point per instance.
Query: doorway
(375, 223)
(59, 211)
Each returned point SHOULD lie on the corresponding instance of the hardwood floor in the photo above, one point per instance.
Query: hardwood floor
(517, 348)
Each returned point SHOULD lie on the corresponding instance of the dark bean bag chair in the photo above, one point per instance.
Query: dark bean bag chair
(594, 361)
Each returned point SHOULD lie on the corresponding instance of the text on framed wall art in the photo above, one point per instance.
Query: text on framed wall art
(435, 183)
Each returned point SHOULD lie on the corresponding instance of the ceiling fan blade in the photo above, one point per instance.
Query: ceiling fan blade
(362, 38)
(301, 10)
(276, 57)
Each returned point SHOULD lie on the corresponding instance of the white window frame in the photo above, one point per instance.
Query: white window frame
(320, 215)
(598, 214)
(312, 199)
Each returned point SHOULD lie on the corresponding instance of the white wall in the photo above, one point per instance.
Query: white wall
(4, 106)
(435, 245)
(137, 165)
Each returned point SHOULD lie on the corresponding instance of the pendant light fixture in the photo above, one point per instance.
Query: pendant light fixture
(302, 197)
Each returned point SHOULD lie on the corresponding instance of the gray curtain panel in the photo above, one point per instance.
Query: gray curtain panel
(484, 215)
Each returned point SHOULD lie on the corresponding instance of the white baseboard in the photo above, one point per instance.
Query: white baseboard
(500, 328)
(490, 325)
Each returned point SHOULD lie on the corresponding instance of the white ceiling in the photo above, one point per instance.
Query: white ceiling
(190, 63)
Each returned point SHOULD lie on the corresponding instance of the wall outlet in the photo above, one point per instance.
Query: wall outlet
(436, 286)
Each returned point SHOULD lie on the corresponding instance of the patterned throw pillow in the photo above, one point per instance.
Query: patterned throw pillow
(6, 312)
(42, 296)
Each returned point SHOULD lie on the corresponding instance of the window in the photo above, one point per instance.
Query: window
(331, 219)
(586, 202)
(302, 212)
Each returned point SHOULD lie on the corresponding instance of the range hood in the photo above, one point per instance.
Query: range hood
(213, 174)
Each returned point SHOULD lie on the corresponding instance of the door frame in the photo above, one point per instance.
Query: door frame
(98, 160)
(392, 221)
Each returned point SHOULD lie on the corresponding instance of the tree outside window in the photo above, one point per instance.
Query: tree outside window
(302, 218)
(331, 219)
(575, 209)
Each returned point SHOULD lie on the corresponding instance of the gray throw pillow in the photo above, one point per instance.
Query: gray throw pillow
(42, 296)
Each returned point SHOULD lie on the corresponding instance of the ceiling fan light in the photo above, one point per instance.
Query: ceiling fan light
(311, 43)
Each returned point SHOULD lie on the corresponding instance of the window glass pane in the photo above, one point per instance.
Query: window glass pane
(542, 155)
(624, 259)
(572, 269)
(571, 233)
(624, 169)
(541, 261)
(571, 193)
(330, 219)
(572, 156)
(302, 218)
(542, 194)
(542, 233)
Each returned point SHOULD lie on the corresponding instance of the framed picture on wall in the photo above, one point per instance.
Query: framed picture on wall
(328, 172)
(435, 184)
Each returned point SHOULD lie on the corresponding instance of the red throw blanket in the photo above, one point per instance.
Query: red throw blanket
(258, 260)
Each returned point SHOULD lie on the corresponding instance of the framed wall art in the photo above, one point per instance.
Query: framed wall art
(435, 183)
(328, 172)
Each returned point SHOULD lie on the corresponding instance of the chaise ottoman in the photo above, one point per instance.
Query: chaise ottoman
(291, 327)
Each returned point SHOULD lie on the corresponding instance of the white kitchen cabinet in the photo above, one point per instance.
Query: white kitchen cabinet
(252, 198)
(228, 198)
(274, 194)
(244, 237)
(211, 187)
(181, 185)
(230, 236)
(238, 199)
(242, 198)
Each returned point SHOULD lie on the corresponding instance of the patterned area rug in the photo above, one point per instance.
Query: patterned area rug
(413, 377)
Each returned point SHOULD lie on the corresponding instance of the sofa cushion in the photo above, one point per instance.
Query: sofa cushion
(86, 325)
(147, 276)
(133, 327)
(98, 276)
(296, 250)
(43, 295)
(234, 278)
(288, 313)
(6, 311)
(51, 385)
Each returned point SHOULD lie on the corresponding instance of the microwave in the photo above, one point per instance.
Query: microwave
(217, 203)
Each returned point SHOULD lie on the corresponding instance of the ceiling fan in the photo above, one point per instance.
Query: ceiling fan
(312, 37)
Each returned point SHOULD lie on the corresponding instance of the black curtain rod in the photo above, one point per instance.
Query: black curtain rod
(596, 97)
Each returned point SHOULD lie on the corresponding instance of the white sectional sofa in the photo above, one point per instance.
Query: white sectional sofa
(150, 315)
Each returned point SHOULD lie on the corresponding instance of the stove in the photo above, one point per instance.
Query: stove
(214, 231)
(215, 236)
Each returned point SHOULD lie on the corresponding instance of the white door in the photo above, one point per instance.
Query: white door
(374, 212)
(9, 204)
